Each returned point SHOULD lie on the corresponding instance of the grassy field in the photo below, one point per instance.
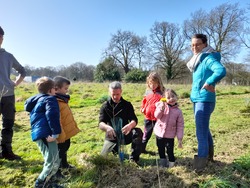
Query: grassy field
(230, 126)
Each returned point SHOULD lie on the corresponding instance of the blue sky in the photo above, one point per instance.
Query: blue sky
(42, 33)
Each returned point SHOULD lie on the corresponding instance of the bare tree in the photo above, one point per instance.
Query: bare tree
(121, 49)
(141, 51)
(81, 71)
(223, 24)
(125, 47)
(238, 73)
(167, 45)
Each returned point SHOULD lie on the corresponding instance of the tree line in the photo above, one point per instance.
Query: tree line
(130, 57)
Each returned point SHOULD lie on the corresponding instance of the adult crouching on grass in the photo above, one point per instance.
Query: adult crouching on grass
(207, 70)
(117, 118)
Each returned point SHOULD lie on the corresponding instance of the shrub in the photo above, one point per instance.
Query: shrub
(184, 95)
(136, 75)
(103, 98)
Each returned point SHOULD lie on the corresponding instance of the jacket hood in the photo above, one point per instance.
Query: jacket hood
(2, 50)
(31, 102)
(63, 97)
(215, 55)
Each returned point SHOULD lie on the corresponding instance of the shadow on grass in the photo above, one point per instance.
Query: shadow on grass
(217, 173)
(31, 166)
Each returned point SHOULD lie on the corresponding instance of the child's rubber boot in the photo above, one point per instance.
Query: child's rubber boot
(171, 164)
(163, 163)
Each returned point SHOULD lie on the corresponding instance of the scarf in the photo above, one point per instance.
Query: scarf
(195, 60)
(63, 97)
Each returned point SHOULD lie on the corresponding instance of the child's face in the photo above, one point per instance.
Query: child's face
(52, 91)
(63, 90)
(171, 98)
(153, 85)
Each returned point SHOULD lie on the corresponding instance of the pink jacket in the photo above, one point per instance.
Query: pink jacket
(170, 122)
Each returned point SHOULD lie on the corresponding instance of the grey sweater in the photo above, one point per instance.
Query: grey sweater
(7, 62)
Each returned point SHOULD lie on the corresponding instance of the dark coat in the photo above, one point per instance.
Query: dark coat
(123, 110)
(44, 116)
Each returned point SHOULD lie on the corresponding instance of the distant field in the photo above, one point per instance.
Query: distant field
(230, 126)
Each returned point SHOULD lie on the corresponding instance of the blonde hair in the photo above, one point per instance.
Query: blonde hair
(155, 77)
(44, 84)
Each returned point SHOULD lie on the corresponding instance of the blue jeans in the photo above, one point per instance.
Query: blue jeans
(202, 113)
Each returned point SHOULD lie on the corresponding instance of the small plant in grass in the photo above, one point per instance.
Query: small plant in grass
(103, 98)
(246, 110)
(247, 91)
(184, 95)
(243, 162)
(219, 183)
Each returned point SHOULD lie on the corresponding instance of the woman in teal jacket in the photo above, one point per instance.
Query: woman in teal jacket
(207, 71)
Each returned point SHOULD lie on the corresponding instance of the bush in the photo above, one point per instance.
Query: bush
(136, 75)
(103, 98)
(107, 71)
(184, 95)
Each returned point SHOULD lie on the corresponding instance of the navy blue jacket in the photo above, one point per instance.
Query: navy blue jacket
(44, 116)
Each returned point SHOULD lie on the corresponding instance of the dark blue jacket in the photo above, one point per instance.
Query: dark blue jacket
(44, 116)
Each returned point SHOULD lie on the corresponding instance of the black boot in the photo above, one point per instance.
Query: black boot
(211, 154)
(10, 156)
(199, 163)
(143, 147)
(163, 163)
(46, 184)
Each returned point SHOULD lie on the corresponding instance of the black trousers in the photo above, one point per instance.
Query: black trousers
(7, 110)
(63, 148)
(148, 130)
(164, 144)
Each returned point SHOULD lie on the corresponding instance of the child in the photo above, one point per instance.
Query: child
(68, 124)
(154, 92)
(45, 128)
(170, 123)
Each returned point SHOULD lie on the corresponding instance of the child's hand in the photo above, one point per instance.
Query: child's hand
(50, 139)
(163, 99)
(162, 105)
(179, 143)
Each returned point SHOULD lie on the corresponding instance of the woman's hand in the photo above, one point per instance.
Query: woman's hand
(208, 87)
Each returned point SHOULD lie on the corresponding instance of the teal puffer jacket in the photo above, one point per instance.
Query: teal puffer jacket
(210, 71)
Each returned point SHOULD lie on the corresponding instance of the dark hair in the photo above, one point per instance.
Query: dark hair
(1, 31)
(44, 84)
(60, 80)
(202, 37)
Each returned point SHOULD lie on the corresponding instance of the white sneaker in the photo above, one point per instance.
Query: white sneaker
(171, 164)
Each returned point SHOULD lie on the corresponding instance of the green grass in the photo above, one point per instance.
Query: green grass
(230, 126)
